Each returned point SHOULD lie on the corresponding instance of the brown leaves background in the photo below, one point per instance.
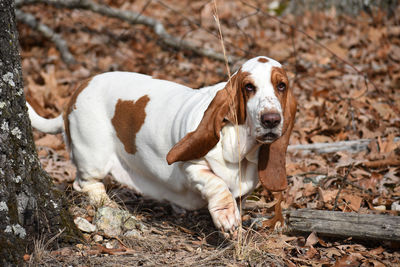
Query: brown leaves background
(337, 101)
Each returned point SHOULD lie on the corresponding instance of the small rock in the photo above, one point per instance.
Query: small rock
(113, 221)
(84, 225)
(110, 220)
(112, 244)
(97, 238)
(132, 234)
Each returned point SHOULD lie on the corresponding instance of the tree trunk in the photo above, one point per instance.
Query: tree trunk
(29, 205)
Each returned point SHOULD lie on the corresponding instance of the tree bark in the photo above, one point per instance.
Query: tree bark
(29, 204)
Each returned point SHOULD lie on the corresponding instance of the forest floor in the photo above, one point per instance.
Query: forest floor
(336, 103)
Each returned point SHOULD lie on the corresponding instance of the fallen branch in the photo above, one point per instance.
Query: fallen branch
(47, 32)
(352, 146)
(382, 163)
(344, 224)
(132, 18)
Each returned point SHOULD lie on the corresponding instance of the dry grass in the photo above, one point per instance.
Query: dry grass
(241, 244)
(40, 254)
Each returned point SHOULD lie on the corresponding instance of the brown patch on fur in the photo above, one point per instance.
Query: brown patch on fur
(262, 60)
(272, 157)
(71, 106)
(240, 97)
(229, 103)
(278, 75)
(128, 118)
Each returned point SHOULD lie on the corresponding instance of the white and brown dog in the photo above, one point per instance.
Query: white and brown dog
(170, 142)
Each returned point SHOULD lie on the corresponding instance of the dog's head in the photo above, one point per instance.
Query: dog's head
(257, 95)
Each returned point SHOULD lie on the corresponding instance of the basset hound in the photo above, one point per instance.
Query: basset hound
(193, 148)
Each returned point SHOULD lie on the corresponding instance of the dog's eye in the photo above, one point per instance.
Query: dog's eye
(281, 87)
(250, 87)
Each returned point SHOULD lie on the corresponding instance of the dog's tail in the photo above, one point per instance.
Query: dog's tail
(51, 126)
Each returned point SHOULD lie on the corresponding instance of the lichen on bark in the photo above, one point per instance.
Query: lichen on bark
(25, 189)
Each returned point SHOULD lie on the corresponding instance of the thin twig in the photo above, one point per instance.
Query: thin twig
(358, 187)
(198, 26)
(232, 107)
(296, 64)
(311, 173)
(133, 18)
(47, 32)
(216, 255)
(367, 191)
(343, 181)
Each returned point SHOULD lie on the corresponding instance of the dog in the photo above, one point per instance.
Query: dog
(191, 147)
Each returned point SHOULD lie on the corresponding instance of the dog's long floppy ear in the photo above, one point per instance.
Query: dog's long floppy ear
(272, 157)
(196, 144)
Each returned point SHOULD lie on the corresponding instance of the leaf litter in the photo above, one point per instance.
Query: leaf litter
(335, 104)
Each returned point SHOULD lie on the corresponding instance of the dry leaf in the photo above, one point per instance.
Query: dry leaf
(321, 139)
(311, 252)
(51, 141)
(309, 189)
(353, 201)
(347, 261)
(327, 195)
(312, 239)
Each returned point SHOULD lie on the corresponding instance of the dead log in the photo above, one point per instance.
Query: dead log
(343, 224)
(352, 146)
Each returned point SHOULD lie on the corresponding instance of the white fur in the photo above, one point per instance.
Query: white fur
(52, 126)
(265, 99)
(173, 111)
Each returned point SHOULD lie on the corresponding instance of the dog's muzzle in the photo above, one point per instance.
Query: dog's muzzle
(269, 121)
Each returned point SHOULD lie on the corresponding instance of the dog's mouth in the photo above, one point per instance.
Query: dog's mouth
(267, 138)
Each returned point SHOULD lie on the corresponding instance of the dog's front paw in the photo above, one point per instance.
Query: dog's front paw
(96, 193)
(225, 214)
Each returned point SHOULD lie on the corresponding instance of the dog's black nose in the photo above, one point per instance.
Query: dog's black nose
(270, 120)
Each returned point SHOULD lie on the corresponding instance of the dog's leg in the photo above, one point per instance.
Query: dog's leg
(92, 153)
(95, 190)
(221, 204)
